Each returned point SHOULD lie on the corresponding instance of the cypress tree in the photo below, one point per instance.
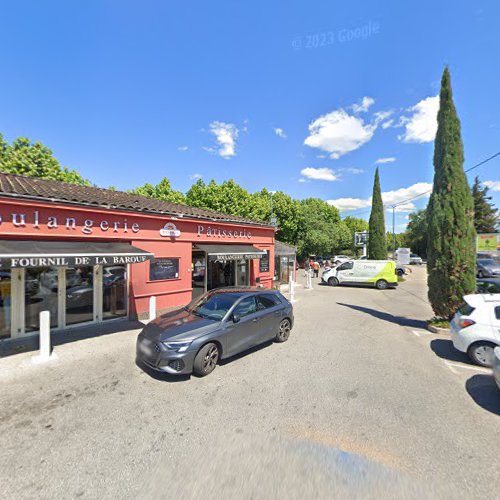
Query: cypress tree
(451, 260)
(377, 243)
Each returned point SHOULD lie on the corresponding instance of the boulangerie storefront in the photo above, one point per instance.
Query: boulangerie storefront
(90, 255)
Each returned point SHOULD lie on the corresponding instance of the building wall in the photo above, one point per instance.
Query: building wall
(25, 219)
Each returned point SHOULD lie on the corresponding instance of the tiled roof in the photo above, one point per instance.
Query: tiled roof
(281, 248)
(55, 191)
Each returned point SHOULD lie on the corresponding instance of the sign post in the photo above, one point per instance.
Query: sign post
(361, 240)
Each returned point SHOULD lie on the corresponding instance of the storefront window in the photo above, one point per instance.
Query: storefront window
(5, 303)
(198, 273)
(114, 289)
(40, 292)
(242, 273)
(79, 294)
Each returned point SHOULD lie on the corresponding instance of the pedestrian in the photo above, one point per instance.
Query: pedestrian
(307, 266)
(316, 268)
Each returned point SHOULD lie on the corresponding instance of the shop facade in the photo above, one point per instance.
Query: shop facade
(90, 256)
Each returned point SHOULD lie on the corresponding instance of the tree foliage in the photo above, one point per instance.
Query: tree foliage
(162, 191)
(377, 244)
(485, 213)
(415, 236)
(451, 242)
(33, 159)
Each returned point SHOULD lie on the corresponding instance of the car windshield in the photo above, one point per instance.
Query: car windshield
(487, 262)
(212, 306)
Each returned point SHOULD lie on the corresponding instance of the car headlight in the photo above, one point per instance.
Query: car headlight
(177, 346)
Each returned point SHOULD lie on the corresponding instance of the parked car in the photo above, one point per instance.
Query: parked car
(475, 328)
(415, 259)
(488, 285)
(487, 268)
(496, 365)
(380, 273)
(218, 325)
(339, 259)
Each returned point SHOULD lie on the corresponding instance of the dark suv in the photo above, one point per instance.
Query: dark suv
(219, 324)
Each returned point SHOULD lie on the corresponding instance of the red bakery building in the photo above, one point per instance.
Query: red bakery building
(91, 255)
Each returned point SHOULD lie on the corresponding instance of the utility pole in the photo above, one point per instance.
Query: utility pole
(394, 232)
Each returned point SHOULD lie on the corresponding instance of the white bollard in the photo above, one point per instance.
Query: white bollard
(152, 308)
(291, 287)
(309, 280)
(45, 354)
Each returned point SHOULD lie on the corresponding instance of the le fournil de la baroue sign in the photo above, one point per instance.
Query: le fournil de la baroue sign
(68, 260)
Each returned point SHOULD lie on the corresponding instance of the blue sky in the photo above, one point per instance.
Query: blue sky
(303, 97)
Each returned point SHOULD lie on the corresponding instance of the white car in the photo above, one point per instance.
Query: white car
(475, 328)
(340, 259)
(415, 259)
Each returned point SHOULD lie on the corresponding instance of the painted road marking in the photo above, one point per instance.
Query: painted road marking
(456, 372)
(418, 333)
(467, 367)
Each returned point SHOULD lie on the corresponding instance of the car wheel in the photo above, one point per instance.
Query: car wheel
(381, 284)
(333, 281)
(480, 274)
(206, 360)
(400, 272)
(284, 331)
(481, 353)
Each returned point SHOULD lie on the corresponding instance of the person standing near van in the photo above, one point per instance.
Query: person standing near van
(316, 268)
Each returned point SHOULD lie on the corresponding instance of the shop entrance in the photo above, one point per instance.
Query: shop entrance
(227, 273)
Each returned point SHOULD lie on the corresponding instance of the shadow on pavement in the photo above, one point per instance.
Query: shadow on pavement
(397, 320)
(245, 353)
(444, 349)
(485, 393)
(72, 334)
(167, 377)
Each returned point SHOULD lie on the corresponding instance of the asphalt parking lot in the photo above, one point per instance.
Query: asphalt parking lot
(361, 401)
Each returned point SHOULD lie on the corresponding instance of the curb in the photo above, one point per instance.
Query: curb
(436, 329)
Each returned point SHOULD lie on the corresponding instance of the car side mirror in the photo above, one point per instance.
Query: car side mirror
(236, 318)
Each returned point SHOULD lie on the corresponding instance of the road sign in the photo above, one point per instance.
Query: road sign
(361, 238)
(488, 242)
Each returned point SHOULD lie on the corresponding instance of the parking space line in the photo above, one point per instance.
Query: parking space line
(467, 367)
(415, 333)
(456, 372)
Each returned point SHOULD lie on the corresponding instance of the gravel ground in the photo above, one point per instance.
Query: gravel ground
(360, 402)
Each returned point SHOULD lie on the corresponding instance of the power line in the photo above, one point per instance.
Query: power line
(430, 190)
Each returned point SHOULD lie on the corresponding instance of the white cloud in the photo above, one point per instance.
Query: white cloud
(304, 180)
(421, 126)
(280, 132)
(350, 170)
(366, 102)
(387, 124)
(226, 135)
(389, 159)
(182, 148)
(339, 133)
(388, 197)
(346, 204)
(195, 176)
(493, 185)
(319, 174)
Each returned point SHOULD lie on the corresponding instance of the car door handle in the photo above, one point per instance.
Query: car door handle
(255, 320)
